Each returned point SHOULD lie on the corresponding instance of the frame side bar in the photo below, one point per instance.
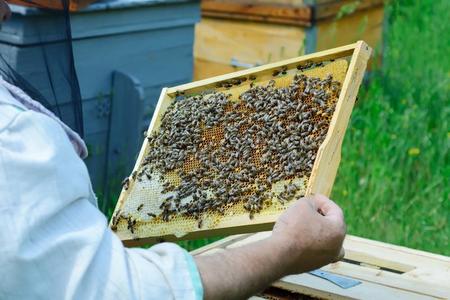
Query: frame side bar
(329, 154)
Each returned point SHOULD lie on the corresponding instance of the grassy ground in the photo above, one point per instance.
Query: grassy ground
(393, 181)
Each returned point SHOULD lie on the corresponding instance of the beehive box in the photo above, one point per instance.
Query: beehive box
(139, 214)
(134, 37)
(385, 271)
(235, 34)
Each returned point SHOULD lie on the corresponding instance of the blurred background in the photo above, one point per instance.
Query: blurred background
(393, 180)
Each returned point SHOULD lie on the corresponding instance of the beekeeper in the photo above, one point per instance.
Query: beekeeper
(55, 243)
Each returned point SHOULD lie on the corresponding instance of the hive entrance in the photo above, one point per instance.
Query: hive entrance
(242, 150)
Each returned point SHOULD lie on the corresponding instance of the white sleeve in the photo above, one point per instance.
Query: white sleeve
(54, 243)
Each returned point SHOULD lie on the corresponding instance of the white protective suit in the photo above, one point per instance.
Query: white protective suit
(54, 242)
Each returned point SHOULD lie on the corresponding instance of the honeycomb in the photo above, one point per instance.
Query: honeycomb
(140, 214)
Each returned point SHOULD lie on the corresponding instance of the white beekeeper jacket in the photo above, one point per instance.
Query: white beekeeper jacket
(54, 242)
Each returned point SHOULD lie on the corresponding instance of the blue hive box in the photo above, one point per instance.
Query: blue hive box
(125, 52)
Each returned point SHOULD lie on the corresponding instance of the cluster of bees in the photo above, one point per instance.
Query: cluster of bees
(227, 152)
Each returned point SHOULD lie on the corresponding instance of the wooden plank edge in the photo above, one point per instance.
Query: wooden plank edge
(240, 229)
(328, 156)
(402, 249)
(257, 18)
(389, 279)
(308, 290)
(258, 9)
(220, 244)
(334, 53)
(365, 290)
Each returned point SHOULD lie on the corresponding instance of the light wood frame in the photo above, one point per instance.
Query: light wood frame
(328, 156)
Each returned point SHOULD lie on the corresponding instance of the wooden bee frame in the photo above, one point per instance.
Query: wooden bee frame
(327, 159)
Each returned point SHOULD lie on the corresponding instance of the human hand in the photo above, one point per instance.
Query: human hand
(306, 236)
(309, 234)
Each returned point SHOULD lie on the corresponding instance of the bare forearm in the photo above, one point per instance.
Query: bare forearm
(241, 272)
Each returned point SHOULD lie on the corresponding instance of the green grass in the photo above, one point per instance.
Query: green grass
(393, 181)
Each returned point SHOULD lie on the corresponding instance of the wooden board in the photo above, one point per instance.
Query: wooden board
(273, 13)
(325, 165)
(332, 8)
(367, 25)
(206, 69)
(224, 44)
(287, 12)
(249, 43)
(386, 271)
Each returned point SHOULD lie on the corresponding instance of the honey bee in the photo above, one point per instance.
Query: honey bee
(131, 224)
(269, 135)
(235, 81)
(125, 183)
(115, 220)
(179, 93)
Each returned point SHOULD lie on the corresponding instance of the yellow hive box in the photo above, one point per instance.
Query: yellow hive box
(140, 201)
